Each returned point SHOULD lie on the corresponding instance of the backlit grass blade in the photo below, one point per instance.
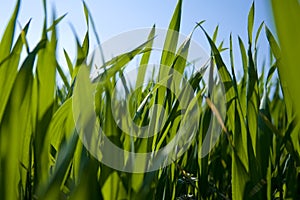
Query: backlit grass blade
(250, 23)
(55, 23)
(46, 86)
(52, 188)
(18, 122)
(46, 69)
(242, 87)
(6, 67)
(252, 99)
(239, 178)
(170, 44)
(243, 55)
(119, 62)
(281, 66)
(8, 71)
(145, 59)
(215, 35)
(8, 36)
(60, 127)
(286, 17)
(69, 62)
(63, 76)
(180, 61)
(258, 33)
(257, 156)
(167, 58)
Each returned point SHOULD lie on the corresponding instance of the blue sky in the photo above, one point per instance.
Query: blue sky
(116, 16)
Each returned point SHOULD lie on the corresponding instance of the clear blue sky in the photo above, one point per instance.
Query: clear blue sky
(116, 16)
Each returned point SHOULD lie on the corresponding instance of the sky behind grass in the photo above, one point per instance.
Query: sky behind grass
(116, 16)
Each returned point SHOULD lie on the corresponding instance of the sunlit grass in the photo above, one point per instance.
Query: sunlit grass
(257, 155)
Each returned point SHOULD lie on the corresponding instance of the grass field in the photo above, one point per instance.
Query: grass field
(257, 155)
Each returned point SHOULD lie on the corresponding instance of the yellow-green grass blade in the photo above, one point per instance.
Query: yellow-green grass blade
(242, 87)
(250, 23)
(8, 35)
(51, 189)
(60, 127)
(282, 68)
(252, 99)
(180, 61)
(119, 62)
(167, 59)
(243, 55)
(46, 74)
(171, 40)
(63, 76)
(286, 15)
(69, 62)
(145, 60)
(252, 86)
(239, 178)
(55, 23)
(18, 123)
(8, 71)
(46, 89)
(215, 35)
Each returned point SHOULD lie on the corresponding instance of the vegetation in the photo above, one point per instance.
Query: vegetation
(257, 155)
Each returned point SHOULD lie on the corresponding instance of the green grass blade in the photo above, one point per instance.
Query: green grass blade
(8, 36)
(170, 44)
(286, 17)
(258, 33)
(252, 99)
(69, 62)
(181, 56)
(55, 23)
(244, 56)
(145, 59)
(240, 153)
(46, 89)
(119, 62)
(281, 67)
(215, 35)
(8, 71)
(239, 178)
(250, 23)
(232, 64)
(63, 76)
(19, 122)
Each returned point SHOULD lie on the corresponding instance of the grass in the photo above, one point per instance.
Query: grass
(257, 155)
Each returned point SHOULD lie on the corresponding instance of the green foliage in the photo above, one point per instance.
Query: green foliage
(256, 157)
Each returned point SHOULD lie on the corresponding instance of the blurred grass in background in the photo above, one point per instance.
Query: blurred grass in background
(256, 157)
